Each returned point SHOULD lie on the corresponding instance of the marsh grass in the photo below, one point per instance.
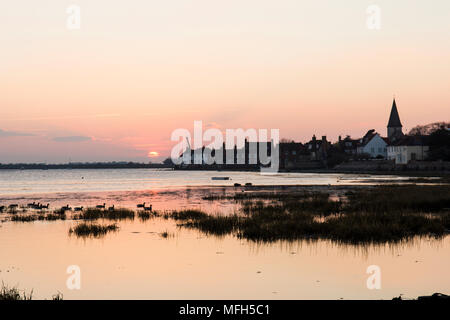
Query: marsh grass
(144, 215)
(116, 214)
(189, 214)
(92, 230)
(37, 217)
(409, 198)
(280, 196)
(374, 215)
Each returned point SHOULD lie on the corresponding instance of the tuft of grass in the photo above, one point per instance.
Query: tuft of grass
(144, 215)
(166, 234)
(53, 217)
(14, 294)
(92, 230)
(188, 214)
(39, 217)
(58, 296)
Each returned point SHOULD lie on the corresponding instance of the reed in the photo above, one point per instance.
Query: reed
(12, 293)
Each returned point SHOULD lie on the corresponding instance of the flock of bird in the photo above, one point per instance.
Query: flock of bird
(40, 206)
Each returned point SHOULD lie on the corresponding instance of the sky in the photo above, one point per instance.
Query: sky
(117, 87)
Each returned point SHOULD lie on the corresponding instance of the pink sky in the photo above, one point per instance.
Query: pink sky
(133, 73)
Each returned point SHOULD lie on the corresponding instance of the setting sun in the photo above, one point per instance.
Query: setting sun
(153, 154)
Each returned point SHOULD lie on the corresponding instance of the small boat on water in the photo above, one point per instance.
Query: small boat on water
(220, 178)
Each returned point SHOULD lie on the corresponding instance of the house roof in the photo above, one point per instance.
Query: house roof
(415, 140)
(394, 118)
(368, 137)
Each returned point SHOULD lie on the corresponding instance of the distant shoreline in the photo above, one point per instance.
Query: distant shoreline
(133, 165)
(93, 165)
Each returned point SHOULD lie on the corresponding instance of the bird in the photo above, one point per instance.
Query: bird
(148, 208)
(12, 206)
(78, 209)
(66, 208)
(31, 205)
(101, 206)
(141, 205)
(44, 206)
(111, 208)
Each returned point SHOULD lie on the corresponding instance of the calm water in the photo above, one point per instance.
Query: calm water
(13, 182)
(136, 262)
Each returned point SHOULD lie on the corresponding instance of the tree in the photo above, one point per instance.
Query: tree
(168, 162)
(428, 128)
(439, 145)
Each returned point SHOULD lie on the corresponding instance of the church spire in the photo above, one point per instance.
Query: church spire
(394, 118)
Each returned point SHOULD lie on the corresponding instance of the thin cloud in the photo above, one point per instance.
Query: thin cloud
(4, 133)
(72, 139)
(107, 115)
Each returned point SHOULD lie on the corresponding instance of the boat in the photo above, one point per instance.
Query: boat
(220, 178)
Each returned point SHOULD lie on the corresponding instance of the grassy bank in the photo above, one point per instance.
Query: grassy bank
(378, 214)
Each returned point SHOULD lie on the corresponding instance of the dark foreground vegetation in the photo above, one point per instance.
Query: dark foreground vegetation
(371, 215)
(14, 294)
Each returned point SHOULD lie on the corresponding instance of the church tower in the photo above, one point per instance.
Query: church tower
(394, 127)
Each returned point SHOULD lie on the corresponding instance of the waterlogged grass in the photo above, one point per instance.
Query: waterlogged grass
(92, 230)
(280, 196)
(187, 215)
(144, 215)
(39, 217)
(410, 198)
(378, 214)
(116, 214)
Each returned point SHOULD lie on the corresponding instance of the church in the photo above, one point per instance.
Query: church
(376, 146)
(404, 148)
